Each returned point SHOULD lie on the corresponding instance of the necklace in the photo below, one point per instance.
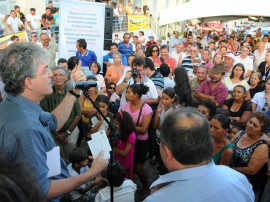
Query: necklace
(236, 106)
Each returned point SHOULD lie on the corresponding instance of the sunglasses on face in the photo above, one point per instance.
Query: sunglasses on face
(113, 88)
(154, 51)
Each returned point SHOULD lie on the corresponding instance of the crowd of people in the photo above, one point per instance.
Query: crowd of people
(200, 101)
(32, 23)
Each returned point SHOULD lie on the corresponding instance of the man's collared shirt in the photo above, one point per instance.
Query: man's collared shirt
(203, 183)
(220, 92)
(25, 137)
(171, 62)
(88, 58)
(50, 102)
(14, 23)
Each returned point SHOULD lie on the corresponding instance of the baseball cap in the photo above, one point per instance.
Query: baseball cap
(230, 55)
(151, 36)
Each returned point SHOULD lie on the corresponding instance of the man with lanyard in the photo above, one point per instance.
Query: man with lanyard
(264, 67)
(136, 75)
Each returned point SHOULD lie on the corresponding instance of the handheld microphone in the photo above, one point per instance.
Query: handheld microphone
(82, 85)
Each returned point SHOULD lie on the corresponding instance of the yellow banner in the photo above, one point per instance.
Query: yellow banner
(137, 22)
(4, 40)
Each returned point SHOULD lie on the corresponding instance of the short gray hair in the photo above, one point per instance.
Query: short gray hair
(117, 54)
(60, 67)
(19, 61)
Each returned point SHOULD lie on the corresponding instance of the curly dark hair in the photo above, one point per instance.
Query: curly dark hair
(210, 105)
(139, 89)
(264, 120)
(126, 124)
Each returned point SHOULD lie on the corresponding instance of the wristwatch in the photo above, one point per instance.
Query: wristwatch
(68, 132)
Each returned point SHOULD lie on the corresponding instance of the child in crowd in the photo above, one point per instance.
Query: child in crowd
(233, 131)
(78, 165)
(96, 121)
(124, 145)
(167, 105)
(124, 189)
(114, 98)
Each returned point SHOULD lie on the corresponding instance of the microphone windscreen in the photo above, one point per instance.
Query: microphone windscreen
(70, 85)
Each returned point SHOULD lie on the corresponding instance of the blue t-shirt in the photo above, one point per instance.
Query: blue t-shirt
(123, 49)
(88, 58)
(110, 56)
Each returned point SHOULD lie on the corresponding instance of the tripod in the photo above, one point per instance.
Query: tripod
(114, 133)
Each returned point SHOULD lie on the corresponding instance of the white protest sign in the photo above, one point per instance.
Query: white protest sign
(81, 20)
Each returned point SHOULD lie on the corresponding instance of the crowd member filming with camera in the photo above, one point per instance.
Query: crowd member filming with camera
(137, 76)
(25, 129)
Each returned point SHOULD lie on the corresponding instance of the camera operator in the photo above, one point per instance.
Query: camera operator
(137, 75)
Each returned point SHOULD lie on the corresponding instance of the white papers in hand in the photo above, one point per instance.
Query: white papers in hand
(53, 162)
(100, 143)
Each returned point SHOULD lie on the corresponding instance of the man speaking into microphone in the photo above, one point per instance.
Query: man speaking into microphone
(25, 129)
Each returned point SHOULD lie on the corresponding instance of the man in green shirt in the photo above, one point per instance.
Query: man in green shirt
(67, 136)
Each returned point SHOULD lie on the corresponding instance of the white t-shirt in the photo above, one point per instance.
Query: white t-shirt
(34, 21)
(2, 26)
(152, 93)
(142, 39)
(124, 193)
(176, 56)
(247, 62)
(14, 23)
(259, 100)
(76, 194)
(100, 80)
(168, 83)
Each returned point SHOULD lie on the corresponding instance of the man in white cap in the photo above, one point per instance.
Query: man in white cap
(228, 64)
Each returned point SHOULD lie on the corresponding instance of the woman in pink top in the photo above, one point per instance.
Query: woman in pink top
(125, 143)
(142, 121)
